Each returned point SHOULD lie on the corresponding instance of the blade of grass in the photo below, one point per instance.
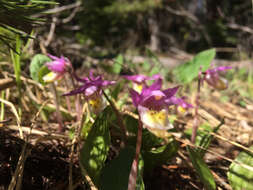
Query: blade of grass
(16, 64)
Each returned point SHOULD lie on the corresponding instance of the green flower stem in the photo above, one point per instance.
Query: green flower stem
(57, 107)
(134, 169)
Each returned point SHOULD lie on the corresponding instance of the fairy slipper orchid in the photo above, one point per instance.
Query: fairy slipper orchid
(58, 67)
(92, 90)
(213, 78)
(139, 81)
(152, 104)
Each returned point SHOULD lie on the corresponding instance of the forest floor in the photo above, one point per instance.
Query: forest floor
(36, 155)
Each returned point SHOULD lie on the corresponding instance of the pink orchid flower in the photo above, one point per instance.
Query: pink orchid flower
(58, 67)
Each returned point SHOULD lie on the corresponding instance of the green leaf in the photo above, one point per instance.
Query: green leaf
(160, 155)
(149, 140)
(36, 70)
(153, 57)
(41, 73)
(45, 2)
(240, 177)
(206, 139)
(188, 71)
(139, 182)
(115, 174)
(155, 70)
(202, 169)
(156, 66)
(146, 66)
(116, 68)
(203, 130)
(94, 151)
(131, 124)
(117, 89)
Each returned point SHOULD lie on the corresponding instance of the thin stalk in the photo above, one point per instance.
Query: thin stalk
(17, 69)
(74, 147)
(77, 99)
(196, 114)
(120, 120)
(57, 107)
(67, 97)
(134, 169)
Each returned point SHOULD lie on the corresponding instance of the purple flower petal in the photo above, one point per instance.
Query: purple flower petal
(52, 57)
(141, 78)
(221, 68)
(58, 65)
(178, 101)
(153, 97)
(155, 77)
(90, 90)
(107, 82)
(212, 77)
(77, 91)
(171, 91)
(91, 85)
(92, 77)
(157, 85)
(135, 97)
(136, 78)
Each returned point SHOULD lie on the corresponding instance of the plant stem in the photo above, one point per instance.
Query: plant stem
(77, 100)
(196, 115)
(134, 169)
(57, 107)
(66, 97)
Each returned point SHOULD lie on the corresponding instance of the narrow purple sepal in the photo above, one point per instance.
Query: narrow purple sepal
(135, 97)
(171, 91)
(178, 101)
(217, 69)
(136, 78)
(77, 91)
(90, 85)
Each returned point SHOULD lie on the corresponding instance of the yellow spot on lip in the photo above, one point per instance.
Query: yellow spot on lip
(51, 77)
(96, 104)
(156, 119)
(180, 109)
(137, 87)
